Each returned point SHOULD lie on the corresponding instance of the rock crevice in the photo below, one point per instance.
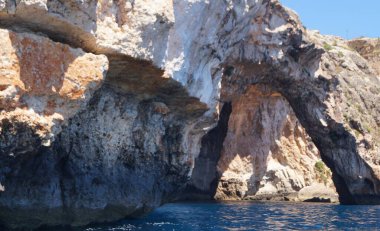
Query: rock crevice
(161, 91)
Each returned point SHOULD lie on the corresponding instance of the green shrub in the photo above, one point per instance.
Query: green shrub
(322, 171)
(327, 46)
(320, 167)
(368, 128)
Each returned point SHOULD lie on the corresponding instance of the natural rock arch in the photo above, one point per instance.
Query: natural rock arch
(317, 102)
(232, 45)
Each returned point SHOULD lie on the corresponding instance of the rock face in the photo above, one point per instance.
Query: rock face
(244, 87)
(266, 151)
(265, 154)
(42, 85)
(70, 155)
(350, 103)
(368, 49)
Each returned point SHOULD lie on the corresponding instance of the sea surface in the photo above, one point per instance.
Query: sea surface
(252, 216)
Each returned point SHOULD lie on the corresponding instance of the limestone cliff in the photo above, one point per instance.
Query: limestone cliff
(266, 152)
(368, 49)
(106, 105)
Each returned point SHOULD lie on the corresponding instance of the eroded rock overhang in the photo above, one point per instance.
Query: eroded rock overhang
(70, 141)
(230, 46)
(123, 31)
(43, 84)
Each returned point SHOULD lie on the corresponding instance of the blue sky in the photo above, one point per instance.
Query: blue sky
(346, 18)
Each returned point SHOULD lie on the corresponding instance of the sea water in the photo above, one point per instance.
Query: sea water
(236, 216)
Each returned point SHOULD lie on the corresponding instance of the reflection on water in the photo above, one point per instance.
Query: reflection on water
(236, 216)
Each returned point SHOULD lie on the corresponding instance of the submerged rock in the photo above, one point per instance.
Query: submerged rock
(236, 95)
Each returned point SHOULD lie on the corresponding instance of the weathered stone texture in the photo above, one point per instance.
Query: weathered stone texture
(267, 152)
(90, 149)
(44, 83)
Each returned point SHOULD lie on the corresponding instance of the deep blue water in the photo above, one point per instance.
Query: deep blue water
(252, 216)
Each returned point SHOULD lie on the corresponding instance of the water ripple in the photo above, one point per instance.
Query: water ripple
(239, 216)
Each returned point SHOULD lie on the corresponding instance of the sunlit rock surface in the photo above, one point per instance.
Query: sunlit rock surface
(180, 75)
(266, 152)
(42, 85)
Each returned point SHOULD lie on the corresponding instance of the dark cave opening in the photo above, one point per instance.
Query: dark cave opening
(205, 178)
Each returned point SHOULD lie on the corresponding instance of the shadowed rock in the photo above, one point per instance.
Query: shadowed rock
(130, 145)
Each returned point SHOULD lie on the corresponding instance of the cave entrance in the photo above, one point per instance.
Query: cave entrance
(267, 154)
(307, 102)
(259, 150)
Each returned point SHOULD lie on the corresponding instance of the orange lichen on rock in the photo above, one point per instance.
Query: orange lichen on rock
(44, 79)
